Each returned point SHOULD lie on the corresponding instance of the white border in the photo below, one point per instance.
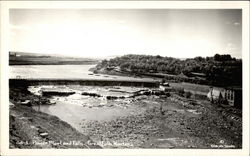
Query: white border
(5, 6)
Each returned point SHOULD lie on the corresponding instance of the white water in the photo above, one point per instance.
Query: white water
(77, 109)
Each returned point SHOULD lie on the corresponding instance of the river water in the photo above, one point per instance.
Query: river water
(61, 72)
(51, 71)
(77, 109)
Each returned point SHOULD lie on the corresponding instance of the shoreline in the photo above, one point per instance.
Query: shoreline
(172, 126)
(179, 127)
(33, 129)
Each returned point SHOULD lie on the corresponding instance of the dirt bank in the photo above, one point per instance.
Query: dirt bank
(32, 129)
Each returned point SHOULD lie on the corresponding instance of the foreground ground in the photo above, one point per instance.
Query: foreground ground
(154, 122)
(32, 129)
(183, 124)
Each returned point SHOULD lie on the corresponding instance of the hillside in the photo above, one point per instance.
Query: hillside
(220, 70)
(23, 58)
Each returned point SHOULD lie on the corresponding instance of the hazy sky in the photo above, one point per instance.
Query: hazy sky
(95, 33)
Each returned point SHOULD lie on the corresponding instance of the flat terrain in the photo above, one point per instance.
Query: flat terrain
(22, 58)
(193, 88)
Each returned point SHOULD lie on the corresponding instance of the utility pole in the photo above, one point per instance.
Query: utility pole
(161, 109)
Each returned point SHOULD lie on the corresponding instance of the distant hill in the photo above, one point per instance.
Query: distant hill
(25, 58)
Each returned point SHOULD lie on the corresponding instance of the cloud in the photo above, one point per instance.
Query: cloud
(123, 27)
(12, 34)
(229, 44)
(121, 21)
(20, 27)
(236, 23)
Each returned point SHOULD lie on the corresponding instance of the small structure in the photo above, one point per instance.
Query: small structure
(26, 102)
(194, 74)
(232, 95)
(12, 54)
(52, 102)
(200, 76)
(165, 87)
(115, 68)
(215, 94)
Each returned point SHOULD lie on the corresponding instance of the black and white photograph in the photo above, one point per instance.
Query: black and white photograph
(130, 78)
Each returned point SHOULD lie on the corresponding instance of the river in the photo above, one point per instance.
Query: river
(76, 109)
(132, 122)
(61, 72)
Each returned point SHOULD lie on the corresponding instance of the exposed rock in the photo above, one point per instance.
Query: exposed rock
(91, 94)
(112, 97)
(43, 134)
(26, 102)
(57, 93)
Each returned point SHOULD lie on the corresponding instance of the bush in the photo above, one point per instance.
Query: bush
(179, 91)
(187, 94)
(168, 94)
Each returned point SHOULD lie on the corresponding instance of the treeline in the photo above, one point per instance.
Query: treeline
(216, 70)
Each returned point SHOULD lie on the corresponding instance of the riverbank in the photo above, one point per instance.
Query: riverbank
(143, 121)
(178, 124)
(33, 129)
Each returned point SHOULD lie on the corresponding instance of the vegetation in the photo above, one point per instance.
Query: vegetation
(220, 70)
(187, 94)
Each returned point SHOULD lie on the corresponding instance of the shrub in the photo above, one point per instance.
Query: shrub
(187, 94)
(168, 94)
(179, 91)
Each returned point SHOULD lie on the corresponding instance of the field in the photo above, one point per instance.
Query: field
(20, 58)
(193, 88)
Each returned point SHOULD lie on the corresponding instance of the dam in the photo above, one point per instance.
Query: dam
(71, 75)
(83, 82)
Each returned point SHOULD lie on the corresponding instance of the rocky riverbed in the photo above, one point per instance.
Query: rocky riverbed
(143, 121)
(178, 127)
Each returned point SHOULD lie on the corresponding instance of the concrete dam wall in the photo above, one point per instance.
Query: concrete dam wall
(84, 82)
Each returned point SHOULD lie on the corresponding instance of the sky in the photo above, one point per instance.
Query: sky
(181, 33)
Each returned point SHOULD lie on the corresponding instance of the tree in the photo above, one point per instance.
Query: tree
(226, 57)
